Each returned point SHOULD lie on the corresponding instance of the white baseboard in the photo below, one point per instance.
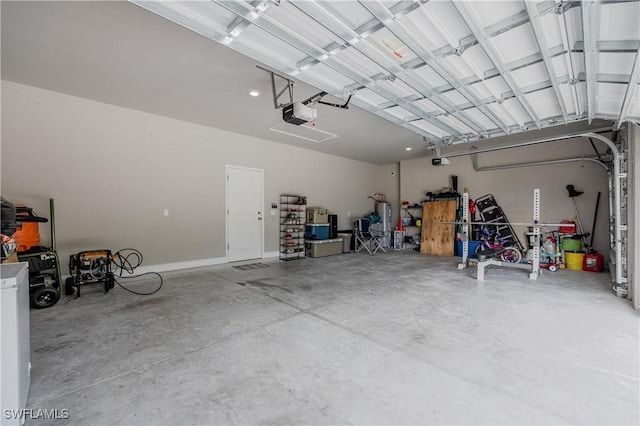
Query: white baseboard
(166, 267)
(176, 266)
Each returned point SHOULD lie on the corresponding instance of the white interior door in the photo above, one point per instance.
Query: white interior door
(244, 194)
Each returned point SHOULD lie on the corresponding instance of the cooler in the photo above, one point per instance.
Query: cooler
(317, 215)
(316, 231)
(322, 248)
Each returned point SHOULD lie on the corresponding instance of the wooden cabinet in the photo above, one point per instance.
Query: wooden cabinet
(438, 238)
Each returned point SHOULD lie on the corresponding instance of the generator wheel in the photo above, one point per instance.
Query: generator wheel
(109, 282)
(68, 286)
(44, 298)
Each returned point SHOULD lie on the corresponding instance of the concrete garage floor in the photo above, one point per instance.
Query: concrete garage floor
(396, 338)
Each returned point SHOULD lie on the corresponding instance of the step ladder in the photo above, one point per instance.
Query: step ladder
(491, 212)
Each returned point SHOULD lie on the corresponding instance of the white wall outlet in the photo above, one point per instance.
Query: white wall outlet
(166, 212)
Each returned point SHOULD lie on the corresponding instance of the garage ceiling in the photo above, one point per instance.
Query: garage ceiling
(439, 72)
(451, 71)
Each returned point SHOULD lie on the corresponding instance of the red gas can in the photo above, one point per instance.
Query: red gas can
(592, 262)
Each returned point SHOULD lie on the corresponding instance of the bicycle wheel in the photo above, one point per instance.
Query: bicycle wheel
(511, 255)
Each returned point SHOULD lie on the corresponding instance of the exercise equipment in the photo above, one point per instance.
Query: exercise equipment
(533, 267)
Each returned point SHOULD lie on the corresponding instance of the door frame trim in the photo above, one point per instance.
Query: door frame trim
(226, 206)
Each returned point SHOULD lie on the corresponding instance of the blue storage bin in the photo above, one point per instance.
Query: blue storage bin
(316, 231)
(473, 245)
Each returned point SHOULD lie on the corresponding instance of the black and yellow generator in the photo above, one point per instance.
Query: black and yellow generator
(89, 267)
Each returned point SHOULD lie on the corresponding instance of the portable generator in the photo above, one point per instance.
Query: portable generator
(89, 267)
(44, 268)
(44, 277)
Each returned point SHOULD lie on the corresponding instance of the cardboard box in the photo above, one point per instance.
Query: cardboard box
(12, 258)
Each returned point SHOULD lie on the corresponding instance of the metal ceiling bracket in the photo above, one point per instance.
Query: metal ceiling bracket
(317, 99)
(631, 88)
(590, 58)
(276, 95)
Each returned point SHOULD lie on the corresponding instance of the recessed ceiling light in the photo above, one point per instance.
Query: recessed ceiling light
(408, 148)
(254, 92)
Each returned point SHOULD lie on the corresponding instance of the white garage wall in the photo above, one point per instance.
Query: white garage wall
(113, 170)
(389, 185)
(513, 188)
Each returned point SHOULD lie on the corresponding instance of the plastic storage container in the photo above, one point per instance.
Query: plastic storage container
(316, 231)
(473, 245)
(317, 215)
(574, 261)
(322, 248)
(346, 242)
(571, 244)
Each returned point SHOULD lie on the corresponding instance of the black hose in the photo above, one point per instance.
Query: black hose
(128, 259)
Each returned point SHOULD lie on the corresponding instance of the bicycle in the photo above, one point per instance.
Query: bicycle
(494, 246)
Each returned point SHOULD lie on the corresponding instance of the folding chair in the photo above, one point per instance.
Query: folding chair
(365, 238)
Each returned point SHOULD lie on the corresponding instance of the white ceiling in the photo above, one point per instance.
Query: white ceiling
(451, 72)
